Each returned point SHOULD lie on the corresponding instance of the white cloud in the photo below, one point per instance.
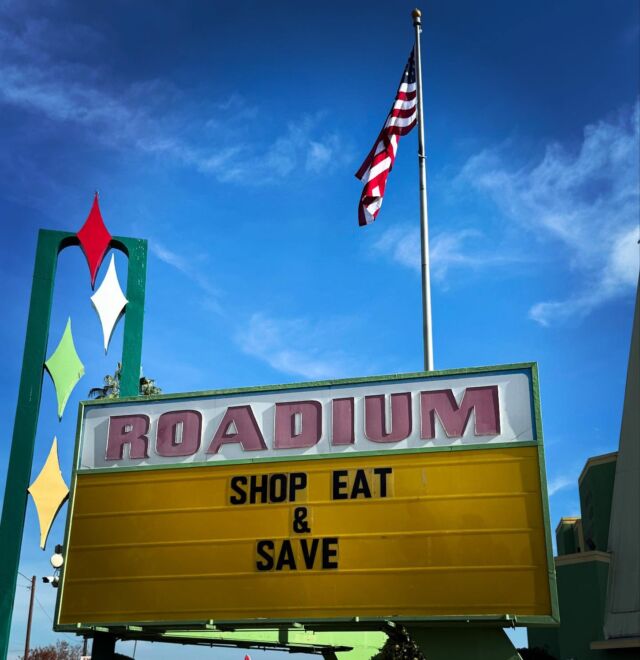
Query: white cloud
(319, 156)
(560, 483)
(453, 249)
(447, 250)
(187, 268)
(402, 245)
(330, 152)
(295, 346)
(302, 148)
(42, 72)
(618, 274)
(585, 201)
(35, 89)
(169, 257)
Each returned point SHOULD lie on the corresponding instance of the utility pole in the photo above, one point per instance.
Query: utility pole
(31, 599)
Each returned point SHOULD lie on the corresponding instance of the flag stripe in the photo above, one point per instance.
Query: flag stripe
(401, 118)
(404, 105)
(379, 162)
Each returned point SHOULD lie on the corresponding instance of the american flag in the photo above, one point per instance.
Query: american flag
(377, 165)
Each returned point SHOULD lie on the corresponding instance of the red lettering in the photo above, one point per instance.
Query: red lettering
(342, 432)
(238, 426)
(375, 418)
(454, 418)
(179, 433)
(127, 430)
(309, 416)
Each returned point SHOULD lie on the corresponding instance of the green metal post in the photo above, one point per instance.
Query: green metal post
(136, 250)
(50, 244)
(24, 429)
(103, 647)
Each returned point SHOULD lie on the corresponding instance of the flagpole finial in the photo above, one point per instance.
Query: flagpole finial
(417, 16)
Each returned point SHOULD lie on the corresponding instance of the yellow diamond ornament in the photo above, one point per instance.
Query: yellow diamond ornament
(49, 492)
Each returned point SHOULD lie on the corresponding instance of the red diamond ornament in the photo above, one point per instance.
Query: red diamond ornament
(94, 239)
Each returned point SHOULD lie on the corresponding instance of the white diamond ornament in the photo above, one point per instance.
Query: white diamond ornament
(109, 302)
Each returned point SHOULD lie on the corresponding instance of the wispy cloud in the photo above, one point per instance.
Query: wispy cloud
(296, 346)
(186, 267)
(402, 245)
(303, 148)
(447, 250)
(586, 201)
(152, 116)
(561, 482)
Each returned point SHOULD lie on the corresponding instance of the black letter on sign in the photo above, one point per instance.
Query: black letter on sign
(360, 485)
(339, 484)
(329, 551)
(298, 482)
(263, 548)
(383, 473)
(300, 524)
(241, 497)
(278, 487)
(309, 553)
(286, 558)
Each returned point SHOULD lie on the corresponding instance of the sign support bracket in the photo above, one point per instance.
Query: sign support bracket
(468, 643)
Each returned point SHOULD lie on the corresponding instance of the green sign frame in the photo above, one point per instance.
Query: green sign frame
(157, 629)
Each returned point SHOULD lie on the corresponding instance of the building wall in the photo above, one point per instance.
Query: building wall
(582, 567)
(596, 492)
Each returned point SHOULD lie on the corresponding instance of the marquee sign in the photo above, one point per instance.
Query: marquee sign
(407, 497)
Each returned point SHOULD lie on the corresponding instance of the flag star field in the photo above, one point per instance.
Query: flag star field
(227, 134)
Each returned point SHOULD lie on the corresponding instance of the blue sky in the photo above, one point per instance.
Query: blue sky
(227, 134)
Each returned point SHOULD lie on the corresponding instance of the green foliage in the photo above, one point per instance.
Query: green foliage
(399, 646)
(148, 387)
(111, 387)
(62, 650)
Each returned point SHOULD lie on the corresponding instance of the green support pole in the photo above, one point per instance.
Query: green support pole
(50, 244)
(463, 642)
(24, 429)
(103, 647)
(136, 250)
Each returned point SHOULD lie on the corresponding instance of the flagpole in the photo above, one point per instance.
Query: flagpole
(424, 215)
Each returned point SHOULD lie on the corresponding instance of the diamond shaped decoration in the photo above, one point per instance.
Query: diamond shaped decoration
(49, 492)
(94, 239)
(109, 301)
(65, 368)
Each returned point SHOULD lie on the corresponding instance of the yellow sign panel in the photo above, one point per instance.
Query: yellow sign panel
(407, 534)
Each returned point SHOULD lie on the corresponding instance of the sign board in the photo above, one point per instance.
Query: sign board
(412, 497)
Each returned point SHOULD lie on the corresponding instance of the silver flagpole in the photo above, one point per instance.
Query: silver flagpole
(424, 216)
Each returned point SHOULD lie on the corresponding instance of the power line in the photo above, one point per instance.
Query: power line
(28, 579)
(45, 611)
(71, 635)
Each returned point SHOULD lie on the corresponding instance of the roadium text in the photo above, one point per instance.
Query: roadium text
(363, 423)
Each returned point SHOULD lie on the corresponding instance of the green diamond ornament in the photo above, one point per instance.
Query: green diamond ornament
(65, 368)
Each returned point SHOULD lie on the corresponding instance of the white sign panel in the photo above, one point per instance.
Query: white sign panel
(389, 414)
